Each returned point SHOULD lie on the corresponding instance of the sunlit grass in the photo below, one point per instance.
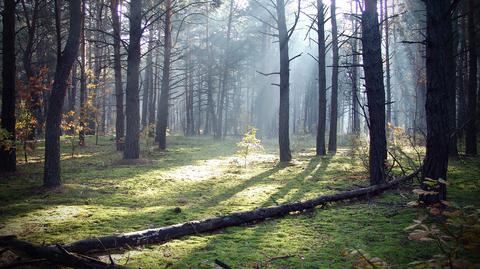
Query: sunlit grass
(102, 196)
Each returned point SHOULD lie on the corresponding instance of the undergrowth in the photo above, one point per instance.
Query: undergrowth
(102, 195)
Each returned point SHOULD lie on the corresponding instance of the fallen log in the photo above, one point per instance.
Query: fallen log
(164, 234)
(55, 254)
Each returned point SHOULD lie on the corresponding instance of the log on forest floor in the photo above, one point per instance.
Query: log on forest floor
(71, 255)
(53, 254)
(164, 234)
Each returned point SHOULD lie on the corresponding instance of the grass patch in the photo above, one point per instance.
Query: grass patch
(102, 195)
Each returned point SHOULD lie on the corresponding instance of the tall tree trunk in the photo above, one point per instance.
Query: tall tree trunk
(120, 118)
(51, 176)
(332, 139)
(153, 91)
(355, 93)
(439, 69)
(132, 108)
(211, 117)
(283, 117)
(471, 130)
(452, 97)
(147, 86)
(224, 79)
(162, 117)
(461, 75)
(190, 128)
(7, 119)
(322, 81)
(387, 64)
(373, 69)
(83, 88)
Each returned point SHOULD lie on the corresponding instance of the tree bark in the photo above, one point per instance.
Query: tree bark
(471, 130)
(322, 81)
(439, 68)
(7, 118)
(132, 108)
(284, 110)
(162, 117)
(373, 68)
(120, 117)
(332, 139)
(51, 176)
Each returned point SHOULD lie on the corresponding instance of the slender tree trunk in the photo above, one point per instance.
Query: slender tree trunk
(322, 81)
(283, 119)
(471, 130)
(211, 117)
(7, 118)
(162, 117)
(387, 64)
(120, 117)
(355, 93)
(153, 93)
(132, 108)
(332, 139)
(83, 88)
(452, 97)
(147, 86)
(51, 176)
(190, 128)
(224, 79)
(461, 76)
(373, 68)
(73, 94)
(439, 68)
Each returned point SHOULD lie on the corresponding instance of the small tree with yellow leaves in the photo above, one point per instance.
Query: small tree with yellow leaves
(72, 124)
(24, 126)
(249, 144)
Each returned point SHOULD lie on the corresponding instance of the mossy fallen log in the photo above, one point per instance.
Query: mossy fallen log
(53, 254)
(164, 234)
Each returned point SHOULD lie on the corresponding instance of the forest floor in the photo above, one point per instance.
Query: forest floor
(102, 195)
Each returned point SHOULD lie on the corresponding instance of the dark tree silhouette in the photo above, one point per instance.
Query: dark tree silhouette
(117, 66)
(439, 52)
(132, 108)
(7, 120)
(284, 118)
(332, 139)
(373, 68)
(471, 130)
(322, 80)
(162, 116)
(65, 59)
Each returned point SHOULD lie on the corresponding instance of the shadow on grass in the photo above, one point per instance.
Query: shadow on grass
(95, 176)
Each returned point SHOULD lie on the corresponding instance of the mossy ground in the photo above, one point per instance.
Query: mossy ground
(102, 195)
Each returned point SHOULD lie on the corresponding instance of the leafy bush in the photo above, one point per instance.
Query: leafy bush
(454, 229)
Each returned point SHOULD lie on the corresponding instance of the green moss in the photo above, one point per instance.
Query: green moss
(102, 195)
